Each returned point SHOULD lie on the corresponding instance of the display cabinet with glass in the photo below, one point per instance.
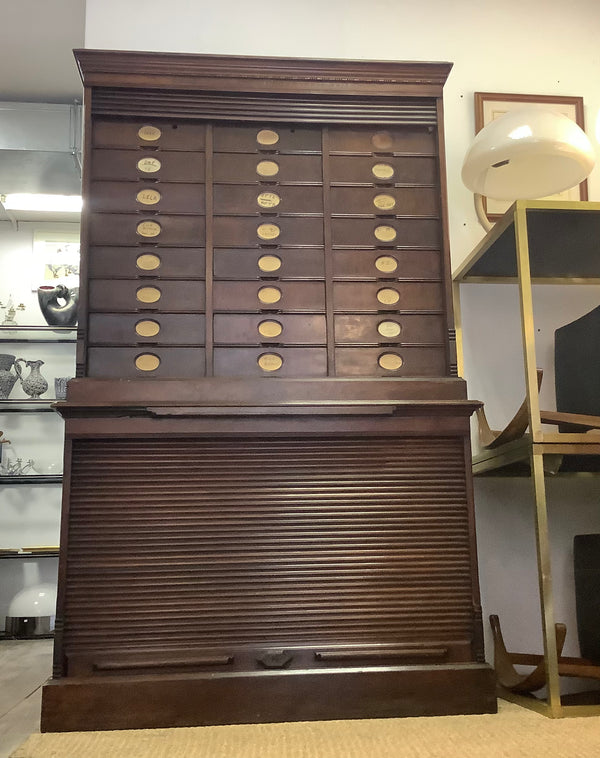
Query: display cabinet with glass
(31, 462)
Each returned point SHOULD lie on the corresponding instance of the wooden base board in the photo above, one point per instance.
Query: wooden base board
(147, 702)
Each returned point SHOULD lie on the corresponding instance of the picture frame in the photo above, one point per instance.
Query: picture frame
(55, 258)
(491, 105)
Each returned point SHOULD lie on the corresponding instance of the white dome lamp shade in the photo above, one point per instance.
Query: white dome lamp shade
(527, 153)
(32, 612)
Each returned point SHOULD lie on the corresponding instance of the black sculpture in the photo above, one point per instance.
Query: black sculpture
(56, 313)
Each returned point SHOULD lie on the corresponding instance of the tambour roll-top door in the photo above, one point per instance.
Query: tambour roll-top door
(219, 543)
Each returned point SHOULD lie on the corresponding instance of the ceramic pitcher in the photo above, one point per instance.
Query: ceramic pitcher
(7, 377)
(33, 385)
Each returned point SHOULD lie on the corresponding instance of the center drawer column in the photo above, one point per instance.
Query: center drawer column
(269, 290)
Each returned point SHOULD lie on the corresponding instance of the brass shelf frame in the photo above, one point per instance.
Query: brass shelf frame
(525, 247)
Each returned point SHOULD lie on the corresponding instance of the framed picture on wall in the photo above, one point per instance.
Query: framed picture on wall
(55, 258)
(491, 105)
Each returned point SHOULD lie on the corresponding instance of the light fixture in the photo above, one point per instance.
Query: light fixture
(44, 203)
(528, 153)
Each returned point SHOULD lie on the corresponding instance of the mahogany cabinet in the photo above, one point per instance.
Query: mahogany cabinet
(268, 505)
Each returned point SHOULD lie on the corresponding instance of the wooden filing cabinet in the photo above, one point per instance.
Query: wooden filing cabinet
(268, 507)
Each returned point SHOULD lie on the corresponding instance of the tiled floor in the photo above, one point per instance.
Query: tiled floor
(24, 666)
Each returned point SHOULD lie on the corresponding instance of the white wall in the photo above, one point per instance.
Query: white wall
(544, 47)
(534, 47)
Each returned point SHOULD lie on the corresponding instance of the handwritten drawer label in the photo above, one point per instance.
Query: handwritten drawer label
(149, 165)
(270, 361)
(148, 197)
(149, 133)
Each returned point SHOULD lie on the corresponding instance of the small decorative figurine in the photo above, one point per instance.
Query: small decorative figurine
(10, 310)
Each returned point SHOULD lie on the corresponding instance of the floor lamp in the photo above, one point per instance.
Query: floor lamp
(526, 154)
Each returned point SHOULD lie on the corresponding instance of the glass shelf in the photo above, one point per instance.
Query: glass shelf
(28, 406)
(31, 479)
(52, 334)
(30, 554)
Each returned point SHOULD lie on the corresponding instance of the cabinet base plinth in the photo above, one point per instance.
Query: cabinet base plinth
(259, 697)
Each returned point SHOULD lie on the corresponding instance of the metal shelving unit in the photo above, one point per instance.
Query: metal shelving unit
(527, 246)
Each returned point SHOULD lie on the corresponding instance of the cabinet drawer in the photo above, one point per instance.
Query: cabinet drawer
(383, 170)
(402, 264)
(288, 329)
(158, 362)
(144, 197)
(247, 139)
(162, 165)
(270, 296)
(414, 232)
(287, 264)
(398, 329)
(235, 230)
(238, 167)
(165, 134)
(254, 198)
(130, 228)
(384, 296)
(129, 262)
(403, 361)
(291, 361)
(155, 328)
(406, 139)
(402, 201)
(139, 295)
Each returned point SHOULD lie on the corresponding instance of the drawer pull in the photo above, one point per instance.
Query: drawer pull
(269, 263)
(149, 165)
(148, 262)
(389, 328)
(149, 133)
(387, 264)
(268, 231)
(269, 295)
(390, 361)
(267, 168)
(270, 361)
(378, 654)
(213, 660)
(148, 229)
(148, 294)
(270, 329)
(148, 197)
(384, 202)
(382, 171)
(267, 137)
(147, 362)
(147, 328)
(268, 200)
(385, 233)
(388, 296)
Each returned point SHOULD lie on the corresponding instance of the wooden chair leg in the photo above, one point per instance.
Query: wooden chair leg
(507, 675)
